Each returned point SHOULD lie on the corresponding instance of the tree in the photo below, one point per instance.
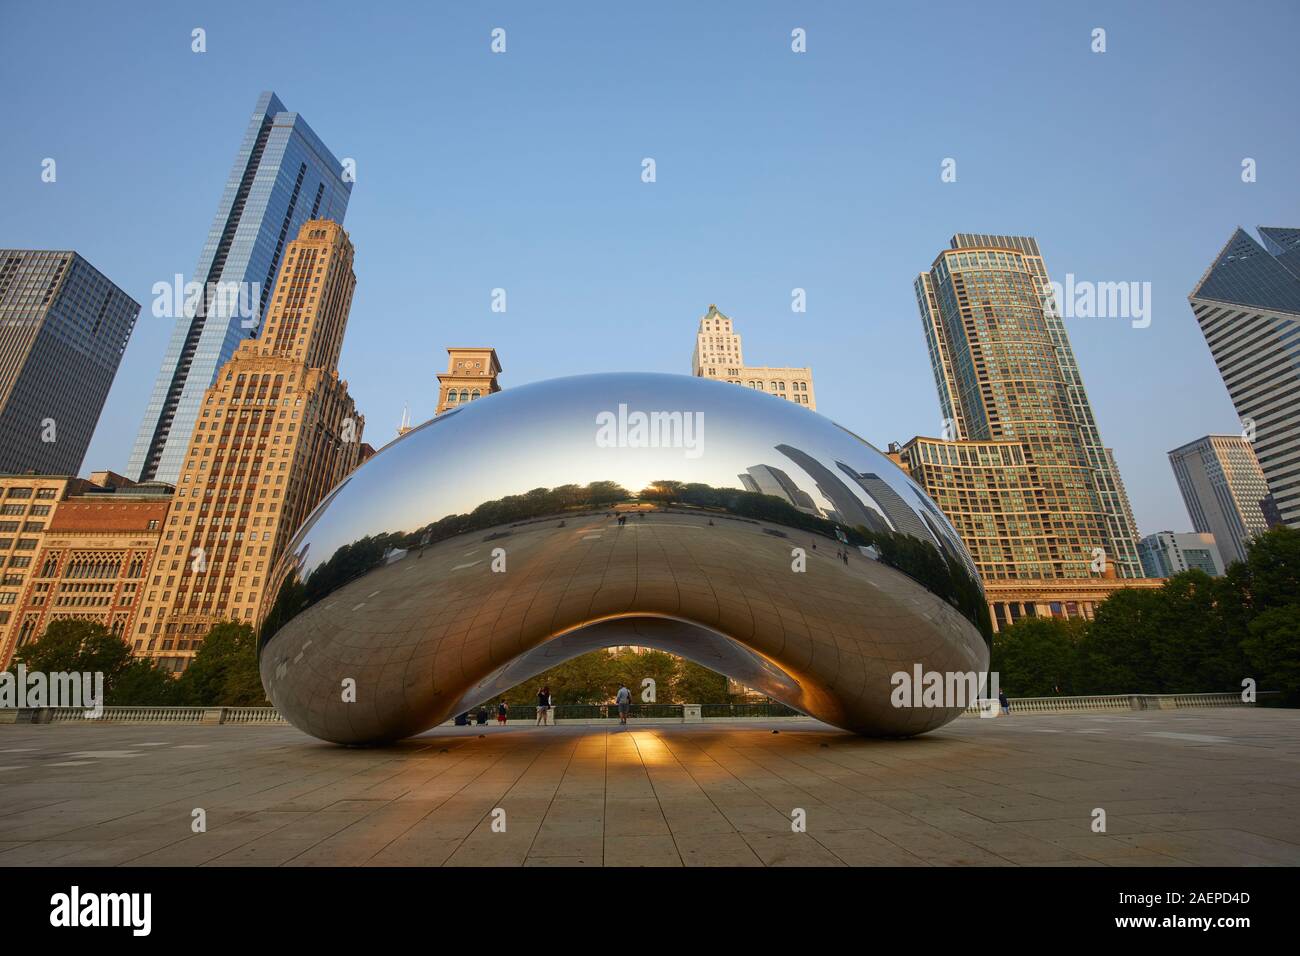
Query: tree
(224, 672)
(631, 668)
(72, 645)
(696, 684)
(142, 684)
(1272, 650)
(594, 678)
(1271, 577)
(1192, 650)
(585, 679)
(88, 647)
(1037, 656)
(1115, 654)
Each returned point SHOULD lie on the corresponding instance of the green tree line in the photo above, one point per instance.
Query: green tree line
(223, 673)
(1195, 634)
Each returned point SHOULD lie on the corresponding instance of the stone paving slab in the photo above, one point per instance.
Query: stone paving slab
(1179, 788)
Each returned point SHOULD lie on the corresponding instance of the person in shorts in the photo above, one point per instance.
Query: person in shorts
(624, 699)
(543, 705)
(503, 711)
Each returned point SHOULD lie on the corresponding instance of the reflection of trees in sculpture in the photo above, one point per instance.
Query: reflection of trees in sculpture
(537, 503)
(348, 562)
(918, 559)
(355, 559)
(744, 504)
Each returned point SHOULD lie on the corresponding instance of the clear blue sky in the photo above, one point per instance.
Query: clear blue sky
(775, 171)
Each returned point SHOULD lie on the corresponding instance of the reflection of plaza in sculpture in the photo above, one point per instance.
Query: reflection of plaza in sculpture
(487, 546)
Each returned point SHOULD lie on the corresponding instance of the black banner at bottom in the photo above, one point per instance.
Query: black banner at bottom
(969, 906)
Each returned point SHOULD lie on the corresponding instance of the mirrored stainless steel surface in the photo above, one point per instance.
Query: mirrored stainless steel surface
(729, 526)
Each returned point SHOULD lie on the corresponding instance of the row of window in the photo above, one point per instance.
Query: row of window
(26, 492)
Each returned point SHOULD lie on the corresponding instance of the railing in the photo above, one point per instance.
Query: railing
(609, 712)
(764, 709)
(143, 715)
(1079, 705)
(132, 715)
(252, 715)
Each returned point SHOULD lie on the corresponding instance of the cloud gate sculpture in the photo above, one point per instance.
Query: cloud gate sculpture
(719, 523)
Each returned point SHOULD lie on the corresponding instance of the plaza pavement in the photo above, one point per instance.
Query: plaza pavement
(1207, 787)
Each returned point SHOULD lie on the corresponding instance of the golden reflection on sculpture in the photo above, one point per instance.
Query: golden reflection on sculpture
(725, 525)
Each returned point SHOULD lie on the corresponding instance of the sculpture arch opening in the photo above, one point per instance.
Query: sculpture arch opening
(697, 643)
(763, 541)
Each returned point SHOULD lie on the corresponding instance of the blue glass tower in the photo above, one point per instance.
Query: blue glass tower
(282, 177)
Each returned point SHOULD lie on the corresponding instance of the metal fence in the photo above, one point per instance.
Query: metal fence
(578, 713)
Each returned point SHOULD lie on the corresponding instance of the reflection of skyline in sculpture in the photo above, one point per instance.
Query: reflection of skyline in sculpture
(899, 514)
(393, 582)
(849, 509)
(768, 480)
(939, 526)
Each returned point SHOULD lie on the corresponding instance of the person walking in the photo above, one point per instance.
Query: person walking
(543, 704)
(624, 699)
(503, 711)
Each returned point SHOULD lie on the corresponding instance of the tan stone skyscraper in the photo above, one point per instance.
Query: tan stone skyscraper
(718, 355)
(471, 373)
(277, 430)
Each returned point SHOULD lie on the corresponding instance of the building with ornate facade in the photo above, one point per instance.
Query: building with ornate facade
(718, 355)
(471, 374)
(275, 432)
(91, 559)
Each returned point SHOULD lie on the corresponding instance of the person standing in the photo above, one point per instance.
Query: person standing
(543, 705)
(624, 698)
(1005, 704)
(503, 711)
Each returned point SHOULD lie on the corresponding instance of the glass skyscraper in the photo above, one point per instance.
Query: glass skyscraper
(63, 328)
(283, 176)
(1005, 372)
(1248, 307)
